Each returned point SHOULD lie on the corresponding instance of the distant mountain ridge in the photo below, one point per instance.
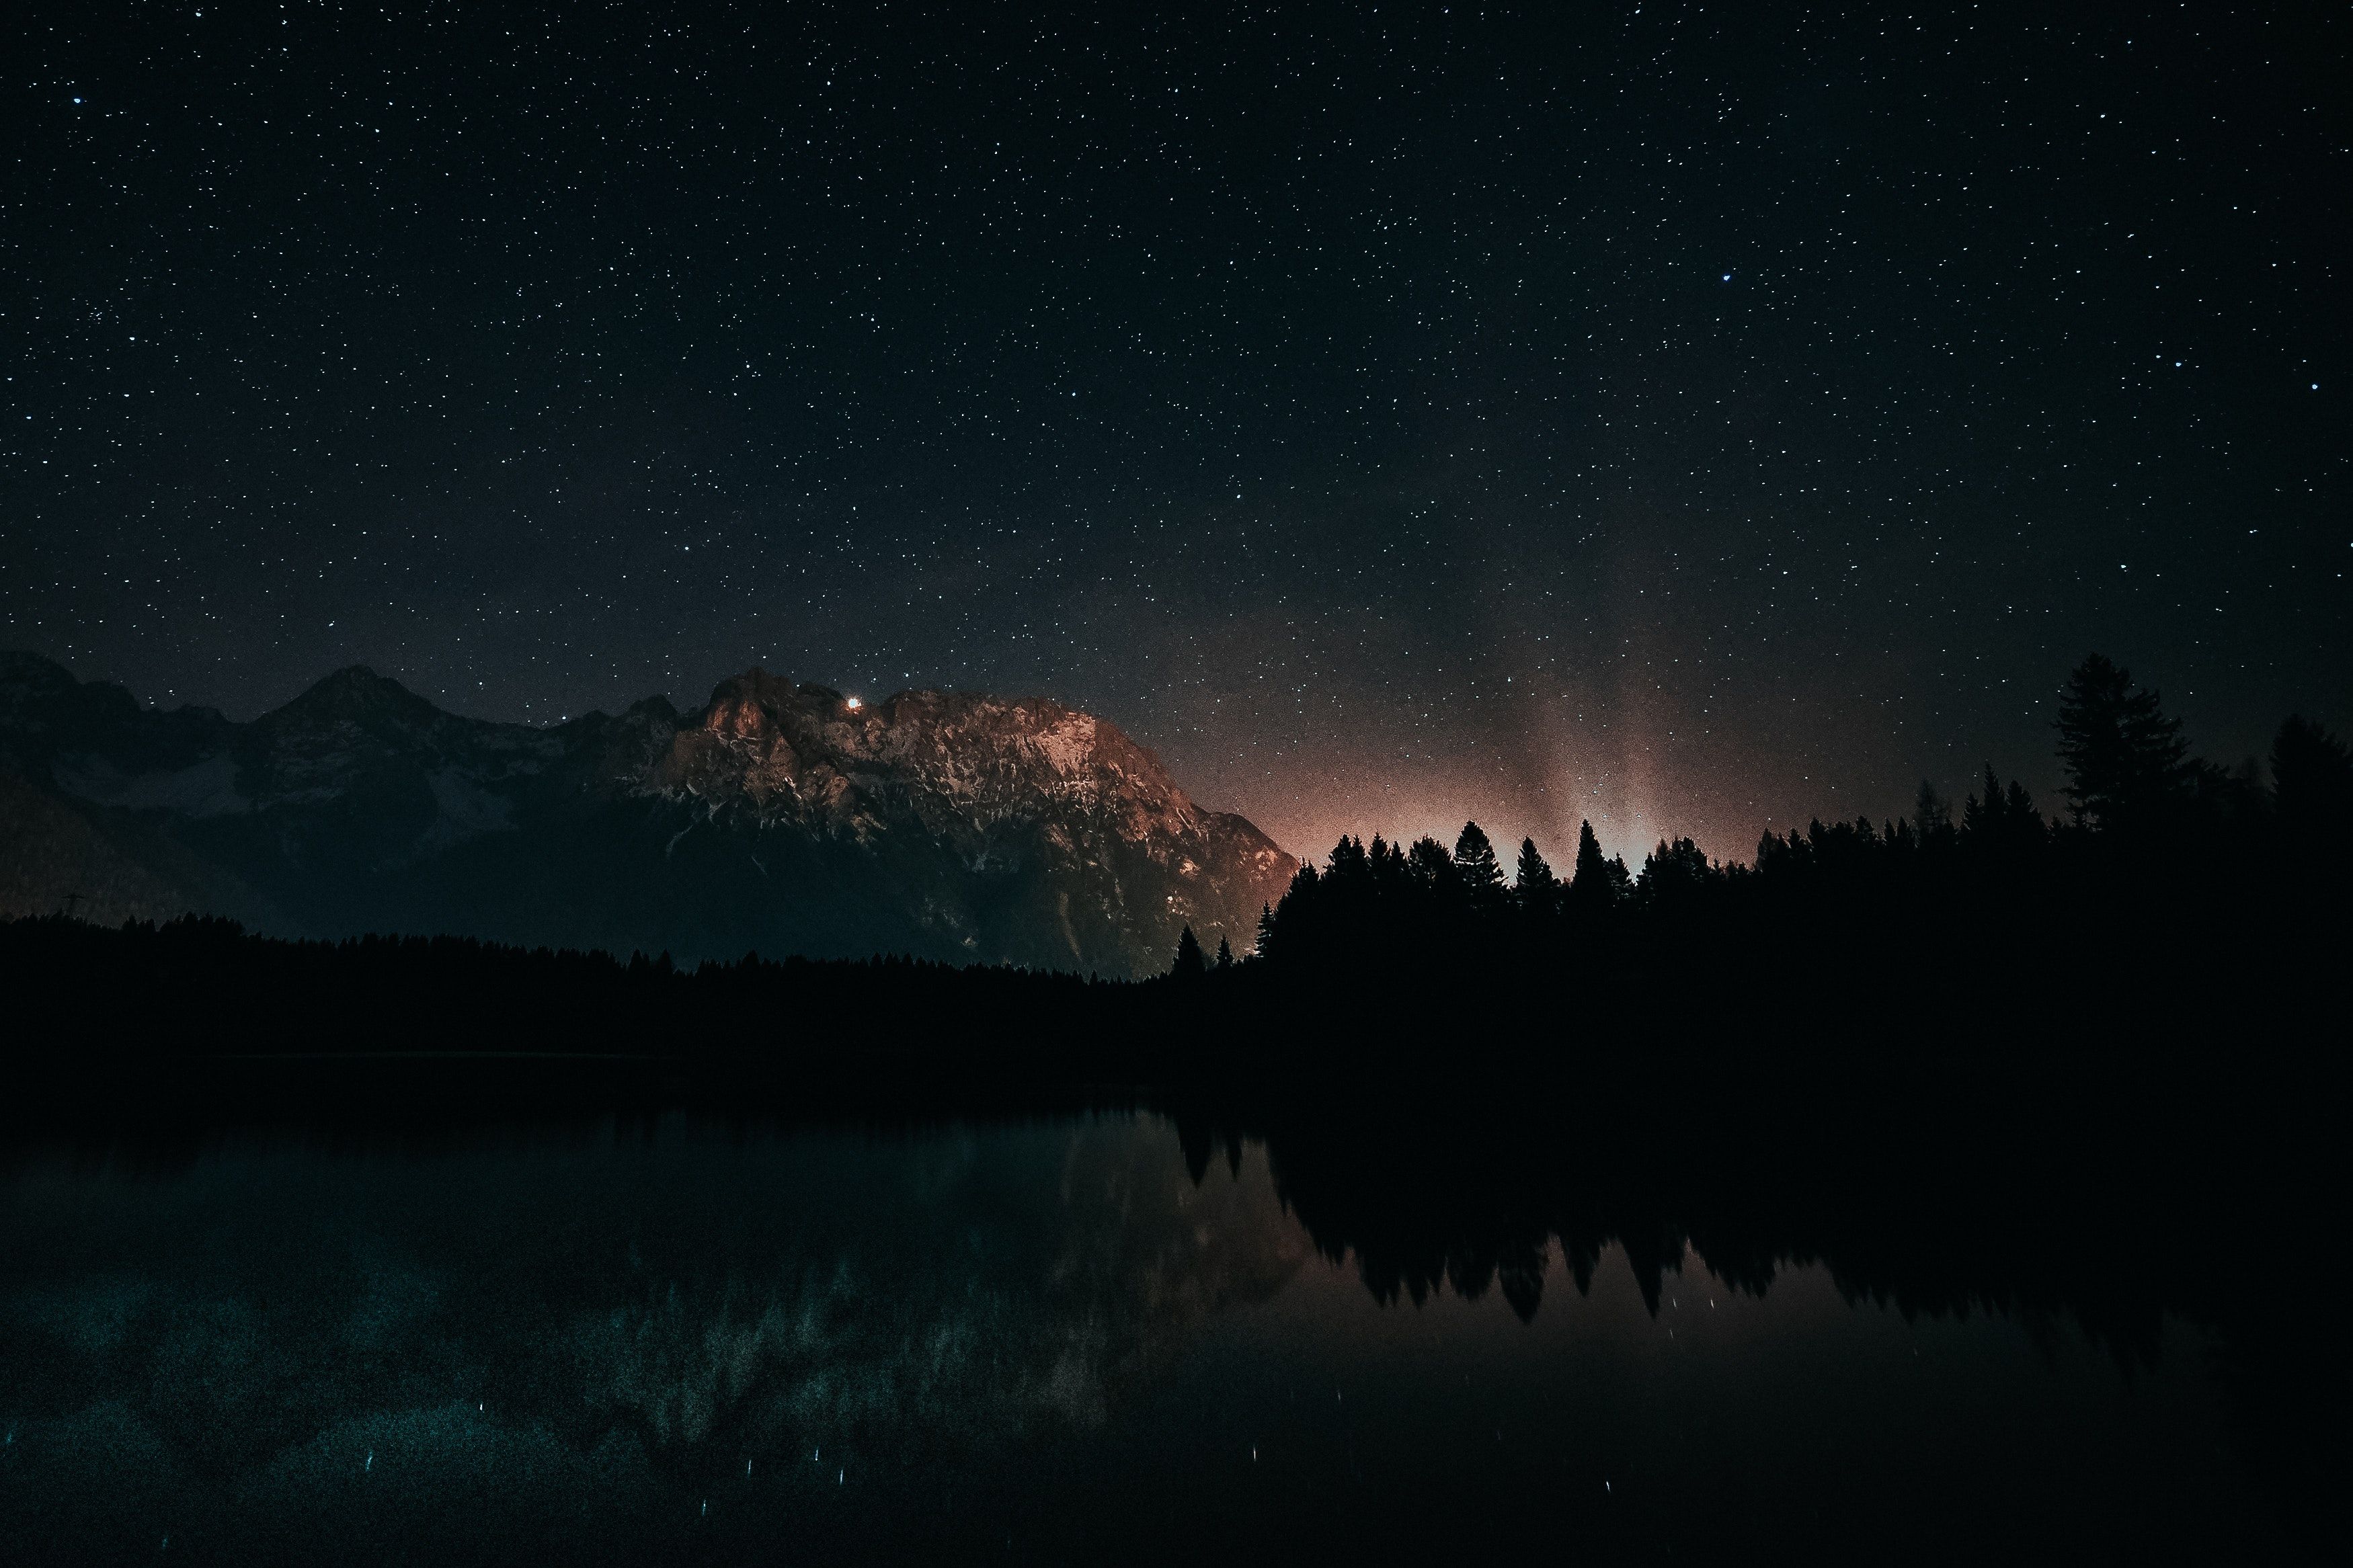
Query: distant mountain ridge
(778, 817)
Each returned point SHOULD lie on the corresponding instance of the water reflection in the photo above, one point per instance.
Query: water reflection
(631, 1344)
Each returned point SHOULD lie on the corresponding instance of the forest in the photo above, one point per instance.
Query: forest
(2163, 879)
(2140, 810)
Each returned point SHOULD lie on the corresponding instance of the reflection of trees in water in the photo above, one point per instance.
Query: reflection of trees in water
(1424, 1207)
(2111, 1222)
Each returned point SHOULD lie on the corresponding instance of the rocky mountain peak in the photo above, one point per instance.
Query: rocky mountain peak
(758, 709)
(27, 679)
(44, 712)
(355, 695)
(804, 750)
(780, 815)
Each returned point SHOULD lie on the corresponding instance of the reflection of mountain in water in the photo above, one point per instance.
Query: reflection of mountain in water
(608, 1322)
(977, 1305)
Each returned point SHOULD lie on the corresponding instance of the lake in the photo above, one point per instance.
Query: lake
(671, 1338)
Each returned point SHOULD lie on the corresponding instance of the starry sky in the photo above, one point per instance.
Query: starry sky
(1689, 417)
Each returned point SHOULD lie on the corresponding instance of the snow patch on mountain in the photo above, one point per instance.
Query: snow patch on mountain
(209, 788)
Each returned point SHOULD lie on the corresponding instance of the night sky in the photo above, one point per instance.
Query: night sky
(1694, 418)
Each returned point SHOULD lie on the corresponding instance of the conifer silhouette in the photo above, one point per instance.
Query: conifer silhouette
(1592, 885)
(2312, 783)
(2023, 824)
(1475, 863)
(1981, 819)
(1932, 817)
(1432, 865)
(1537, 885)
(2127, 763)
(1622, 880)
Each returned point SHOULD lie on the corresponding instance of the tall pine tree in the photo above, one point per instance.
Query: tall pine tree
(1932, 817)
(1474, 861)
(2128, 764)
(1591, 887)
(2312, 782)
(1190, 964)
(1537, 887)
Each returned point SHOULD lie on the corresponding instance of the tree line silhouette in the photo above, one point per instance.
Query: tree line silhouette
(2154, 851)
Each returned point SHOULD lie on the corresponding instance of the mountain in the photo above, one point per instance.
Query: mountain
(779, 817)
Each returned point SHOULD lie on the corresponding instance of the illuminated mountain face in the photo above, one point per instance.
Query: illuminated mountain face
(779, 817)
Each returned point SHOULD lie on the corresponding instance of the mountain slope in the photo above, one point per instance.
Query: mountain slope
(778, 816)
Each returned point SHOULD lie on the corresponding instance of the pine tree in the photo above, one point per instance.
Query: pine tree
(1348, 860)
(2127, 763)
(1932, 817)
(1982, 820)
(1591, 887)
(2312, 781)
(1265, 928)
(1537, 885)
(1225, 954)
(1474, 861)
(1430, 864)
(1190, 965)
(1672, 872)
(2024, 823)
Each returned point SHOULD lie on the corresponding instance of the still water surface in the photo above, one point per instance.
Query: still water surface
(1024, 1343)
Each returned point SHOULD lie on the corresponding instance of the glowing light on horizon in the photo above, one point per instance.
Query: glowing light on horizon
(853, 704)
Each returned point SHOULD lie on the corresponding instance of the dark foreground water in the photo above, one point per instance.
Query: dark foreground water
(673, 1342)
